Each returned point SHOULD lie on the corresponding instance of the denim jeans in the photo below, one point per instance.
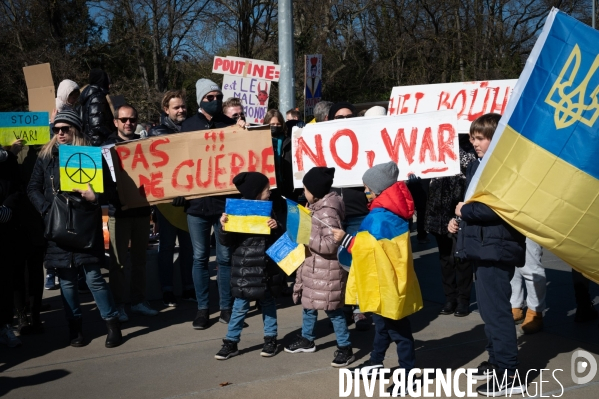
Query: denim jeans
(166, 251)
(398, 331)
(97, 285)
(339, 325)
(241, 307)
(199, 230)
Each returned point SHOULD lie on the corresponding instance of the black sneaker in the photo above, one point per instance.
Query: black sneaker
(484, 371)
(462, 310)
(225, 316)
(343, 356)
(506, 387)
(189, 295)
(367, 368)
(168, 299)
(270, 347)
(201, 320)
(301, 344)
(448, 308)
(228, 350)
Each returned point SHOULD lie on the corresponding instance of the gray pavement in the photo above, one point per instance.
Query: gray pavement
(163, 357)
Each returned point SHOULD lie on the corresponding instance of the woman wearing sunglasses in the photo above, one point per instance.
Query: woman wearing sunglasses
(66, 260)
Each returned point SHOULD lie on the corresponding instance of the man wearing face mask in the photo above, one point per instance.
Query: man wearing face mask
(203, 214)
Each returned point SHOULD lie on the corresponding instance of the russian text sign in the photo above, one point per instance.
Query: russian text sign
(31, 127)
(423, 144)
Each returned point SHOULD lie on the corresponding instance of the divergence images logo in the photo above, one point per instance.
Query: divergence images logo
(579, 366)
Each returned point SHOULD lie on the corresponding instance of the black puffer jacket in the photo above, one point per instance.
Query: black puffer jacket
(213, 205)
(167, 126)
(98, 121)
(252, 271)
(484, 236)
(41, 196)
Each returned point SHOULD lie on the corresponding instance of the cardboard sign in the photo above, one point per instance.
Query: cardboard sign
(253, 94)
(31, 127)
(469, 99)
(108, 157)
(40, 88)
(80, 165)
(313, 76)
(423, 144)
(246, 67)
(193, 165)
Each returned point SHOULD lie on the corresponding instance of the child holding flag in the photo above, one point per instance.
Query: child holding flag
(382, 278)
(253, 275)
(320, 281)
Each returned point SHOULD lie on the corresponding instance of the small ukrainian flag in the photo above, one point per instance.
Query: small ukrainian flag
(288, 254)
(299, 222)
(248, 216)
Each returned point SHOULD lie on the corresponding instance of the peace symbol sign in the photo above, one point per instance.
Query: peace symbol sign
(78, 174)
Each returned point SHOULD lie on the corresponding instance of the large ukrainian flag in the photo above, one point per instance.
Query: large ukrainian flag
(541, 172)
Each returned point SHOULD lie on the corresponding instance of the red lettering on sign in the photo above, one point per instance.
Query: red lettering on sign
(400, 140)
(443, 169)
(174, 181)
(443, 101)
(270, 72)
(199, 181)
(268, 167)
(123, 153)
(149, 187)
(472, 116)
(158, 153)
(499, 108)
(258, 71)
(139, 157)
(304, 149)
(370, 158)
(427, 146)
(418, 97)
(354, 149)
(226, 65)
(446, 142)
(253, 160)
(404, 110)
(237, 163)
(461, 94)
(219, 171)
(391, 107)
(217, 62)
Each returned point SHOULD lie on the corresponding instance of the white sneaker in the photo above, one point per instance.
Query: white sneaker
(122, 314)
(8, 338)
(144, 308)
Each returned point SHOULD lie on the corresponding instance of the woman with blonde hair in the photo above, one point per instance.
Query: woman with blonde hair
(42, 188)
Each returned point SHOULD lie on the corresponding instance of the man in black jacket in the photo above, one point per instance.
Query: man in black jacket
(203, 214)
(175, 112)
(495, 248)
(97, 117)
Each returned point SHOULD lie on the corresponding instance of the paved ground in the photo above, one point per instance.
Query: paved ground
(163, 357)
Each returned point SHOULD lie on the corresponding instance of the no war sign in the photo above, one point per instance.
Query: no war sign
(192, 165)
(31, 127)
(423, 144)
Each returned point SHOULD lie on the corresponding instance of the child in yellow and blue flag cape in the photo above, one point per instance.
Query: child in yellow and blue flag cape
(254, 276)
(382, 278)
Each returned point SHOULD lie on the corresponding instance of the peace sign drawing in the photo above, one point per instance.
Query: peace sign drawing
(80, 165)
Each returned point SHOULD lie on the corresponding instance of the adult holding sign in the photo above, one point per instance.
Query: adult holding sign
(203, 214)
(42, 188)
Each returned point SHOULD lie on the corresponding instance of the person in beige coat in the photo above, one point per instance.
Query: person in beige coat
(320, 281)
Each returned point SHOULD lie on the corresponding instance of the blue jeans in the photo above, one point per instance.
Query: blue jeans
(98, 287)
(166, 251)
(199, 230)
(398, 331)
(241, 307)
(339, 325)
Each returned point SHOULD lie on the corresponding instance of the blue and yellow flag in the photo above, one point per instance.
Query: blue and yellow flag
(299, 222)
(541, 171)
(288, 254)
(248, 216)
(80, 165)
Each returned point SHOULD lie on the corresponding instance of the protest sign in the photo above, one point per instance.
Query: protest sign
(247, 216)
(80, 165)
(193, 165)
(31, 127)
(423, 144)
(246, 67)
(469, 99)
(108, 157)
(313, 76)
(40, 88)
(253, 94)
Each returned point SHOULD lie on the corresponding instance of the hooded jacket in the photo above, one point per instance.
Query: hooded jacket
(65, 88)
(382, 279)
(320, 280)
(167, 126)
(98, 121)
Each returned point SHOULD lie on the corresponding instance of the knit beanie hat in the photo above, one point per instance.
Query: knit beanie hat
(340, 105)
(250, 184)
(99, 78)
(319, 180)
(205, 86)
(380, 177)
(70, 117)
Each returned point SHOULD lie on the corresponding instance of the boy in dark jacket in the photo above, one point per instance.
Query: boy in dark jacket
(254, 276)
(495, 249)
